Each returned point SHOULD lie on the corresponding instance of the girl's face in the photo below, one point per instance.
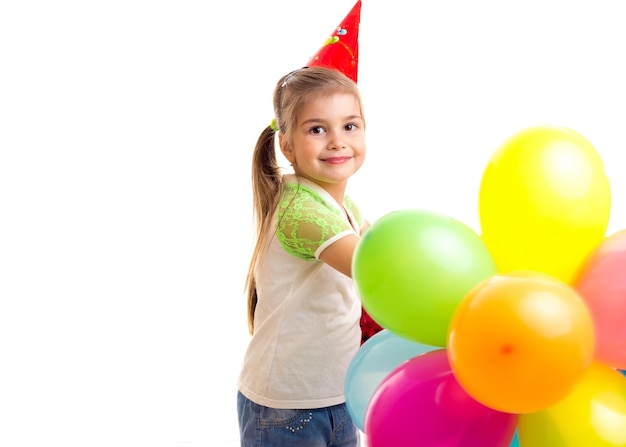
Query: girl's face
(328, 144)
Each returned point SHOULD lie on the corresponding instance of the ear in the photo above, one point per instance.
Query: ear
(285, 148)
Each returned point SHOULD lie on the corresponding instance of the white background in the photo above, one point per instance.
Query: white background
(126, 132)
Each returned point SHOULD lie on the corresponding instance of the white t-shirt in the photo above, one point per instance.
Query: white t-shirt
(307, 316)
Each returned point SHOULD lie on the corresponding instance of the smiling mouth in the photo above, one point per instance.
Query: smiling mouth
(336, 160)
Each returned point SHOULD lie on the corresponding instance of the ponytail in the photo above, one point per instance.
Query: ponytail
(266, 186)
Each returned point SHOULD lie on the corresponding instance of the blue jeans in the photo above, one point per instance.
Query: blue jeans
(261, 426)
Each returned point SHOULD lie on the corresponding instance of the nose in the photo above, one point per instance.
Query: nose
(336, 142)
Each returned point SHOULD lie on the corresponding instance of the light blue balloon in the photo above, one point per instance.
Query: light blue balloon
(515, 440)
(623, 371)
(374, 360)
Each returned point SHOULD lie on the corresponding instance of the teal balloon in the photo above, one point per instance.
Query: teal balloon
(515, 440)
(411, 269)
(374, 360)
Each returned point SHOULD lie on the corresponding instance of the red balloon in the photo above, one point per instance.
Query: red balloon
(602, 285)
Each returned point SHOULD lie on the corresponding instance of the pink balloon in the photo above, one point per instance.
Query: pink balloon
(601, 283)
(421, 404)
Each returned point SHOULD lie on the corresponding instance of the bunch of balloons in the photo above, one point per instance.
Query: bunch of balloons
(514, 337)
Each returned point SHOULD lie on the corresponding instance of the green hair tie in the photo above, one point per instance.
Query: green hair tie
(273, 125)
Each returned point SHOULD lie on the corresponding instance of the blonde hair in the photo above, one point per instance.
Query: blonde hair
(291, 93)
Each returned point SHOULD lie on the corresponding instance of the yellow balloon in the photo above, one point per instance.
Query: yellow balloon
(544, 202)
(593, 414)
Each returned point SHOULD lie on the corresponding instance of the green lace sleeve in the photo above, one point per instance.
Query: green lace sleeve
(305, 222)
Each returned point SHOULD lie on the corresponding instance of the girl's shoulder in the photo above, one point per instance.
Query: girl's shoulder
(307, 219)
(300, 194)
(303, 203)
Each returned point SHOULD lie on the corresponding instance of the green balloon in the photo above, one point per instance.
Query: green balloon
(411, 269)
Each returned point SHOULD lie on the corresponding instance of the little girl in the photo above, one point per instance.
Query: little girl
(303, 311)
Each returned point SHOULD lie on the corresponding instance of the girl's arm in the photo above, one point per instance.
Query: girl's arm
(339, 254)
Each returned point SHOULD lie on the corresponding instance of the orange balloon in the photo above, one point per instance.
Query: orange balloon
(520, 342)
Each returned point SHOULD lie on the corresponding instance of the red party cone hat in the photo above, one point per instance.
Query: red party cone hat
(341, 49)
